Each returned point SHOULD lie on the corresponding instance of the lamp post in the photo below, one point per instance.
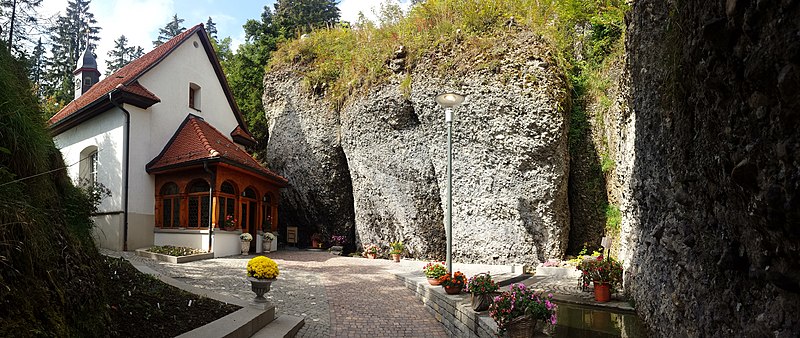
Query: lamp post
(448, 101)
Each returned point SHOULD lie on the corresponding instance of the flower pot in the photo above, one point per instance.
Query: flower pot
(523, 327)
(452, 290)
(602, 292)
(372, 255)
(267, 246)
(396, 258)
(434, 281)
(316, 244)
(245, 247)
(260, 286)
(481, 301)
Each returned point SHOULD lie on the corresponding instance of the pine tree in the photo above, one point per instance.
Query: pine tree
(36, 67)
(19, 22)
(171, 30)
(211, 29)
(121, 55)
(69, 37)
(295, 17)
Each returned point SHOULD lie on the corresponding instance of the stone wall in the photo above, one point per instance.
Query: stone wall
(711, 224)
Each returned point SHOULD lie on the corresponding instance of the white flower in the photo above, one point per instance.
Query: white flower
(246, 237)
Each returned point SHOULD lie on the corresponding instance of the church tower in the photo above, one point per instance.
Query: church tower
(86, 73)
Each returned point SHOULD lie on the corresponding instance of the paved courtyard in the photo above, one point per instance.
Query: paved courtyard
(337, 296)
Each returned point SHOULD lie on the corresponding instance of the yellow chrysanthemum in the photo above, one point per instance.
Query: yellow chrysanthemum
(262, 267)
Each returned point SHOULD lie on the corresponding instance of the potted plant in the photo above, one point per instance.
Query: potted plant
(371, 251)
(268, 237)
(482, 289)
(246, 238)
(316, 240)
(434, 271)
(521, 312)
(338, 244)
(397, 250)
(605, 273)
(229, 224)
(453, 284)
(261, 271)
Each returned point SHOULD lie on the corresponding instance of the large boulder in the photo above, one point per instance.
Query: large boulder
(385, 154)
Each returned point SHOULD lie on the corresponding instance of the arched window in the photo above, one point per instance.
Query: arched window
(249, 193)
(170, 205)
(197, 192)
(226, 202)
(87, 167)
(266, 222)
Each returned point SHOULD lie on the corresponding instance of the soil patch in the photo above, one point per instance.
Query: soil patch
(142, 306)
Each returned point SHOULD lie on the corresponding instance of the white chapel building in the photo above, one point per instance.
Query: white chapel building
(165, 136)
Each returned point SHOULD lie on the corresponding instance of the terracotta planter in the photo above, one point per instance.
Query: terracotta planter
(524, 327)
(481, 302)
(260, 287)
(602, 292)
(372, 255)
(434, 281)
(396, 258)
(452, 290)
(315, 243)
(245, 247)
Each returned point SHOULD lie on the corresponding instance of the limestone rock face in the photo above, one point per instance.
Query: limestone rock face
(713, 211)
(510, 162)
(304, 148)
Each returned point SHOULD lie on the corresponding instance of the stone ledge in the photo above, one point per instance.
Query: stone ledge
(453, 311)
(173, 259)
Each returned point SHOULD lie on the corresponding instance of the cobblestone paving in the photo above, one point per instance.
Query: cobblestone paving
(337, 296)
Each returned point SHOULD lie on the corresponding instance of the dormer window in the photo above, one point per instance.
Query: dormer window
(194, 96)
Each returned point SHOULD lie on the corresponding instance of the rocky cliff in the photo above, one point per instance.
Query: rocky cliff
(510, 152)
(711, 217)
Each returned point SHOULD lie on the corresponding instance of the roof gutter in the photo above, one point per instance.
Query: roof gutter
(125, 171)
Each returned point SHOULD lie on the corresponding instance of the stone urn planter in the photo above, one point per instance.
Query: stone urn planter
(337, 250)
(602, 292)
(245, 248)
(267, 246)
(260, 286)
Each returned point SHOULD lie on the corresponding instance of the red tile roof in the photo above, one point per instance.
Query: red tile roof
(126, 80)
(125, 76)
(138, 89)
(196, 140)
(238, 131)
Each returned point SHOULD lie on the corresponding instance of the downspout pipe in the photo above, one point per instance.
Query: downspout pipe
(210, 204)
(125, 171)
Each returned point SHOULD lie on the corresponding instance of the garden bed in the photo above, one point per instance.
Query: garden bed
(142, 306)
(173, 254)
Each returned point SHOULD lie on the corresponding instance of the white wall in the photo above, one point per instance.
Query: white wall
(197, 239)
(170, 82)
(104, 131)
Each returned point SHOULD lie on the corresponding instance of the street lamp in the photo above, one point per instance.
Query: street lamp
(448, 101)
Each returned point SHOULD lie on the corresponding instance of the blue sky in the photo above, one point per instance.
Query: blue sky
(139, 20)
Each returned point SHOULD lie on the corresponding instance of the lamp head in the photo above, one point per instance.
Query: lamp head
(448, 100)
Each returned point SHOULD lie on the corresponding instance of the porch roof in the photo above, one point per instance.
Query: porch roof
(196, 141)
